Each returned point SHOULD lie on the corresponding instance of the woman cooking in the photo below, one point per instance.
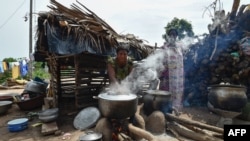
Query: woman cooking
(120, 66)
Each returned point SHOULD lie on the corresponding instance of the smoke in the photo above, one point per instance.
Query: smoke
(147, 70)
(143, 72)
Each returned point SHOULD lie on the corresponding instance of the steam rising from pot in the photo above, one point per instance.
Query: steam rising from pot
(144, 71)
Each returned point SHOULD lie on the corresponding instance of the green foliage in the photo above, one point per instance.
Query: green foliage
(4, 76)
(38, 71)
(183, 27)
(10, 59)
(7, 74)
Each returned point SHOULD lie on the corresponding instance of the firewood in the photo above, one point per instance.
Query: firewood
(194, 123)
(177, 136)
(140, 132)
(199, 130)
(191, 134)
(125, 137)
(140, 122)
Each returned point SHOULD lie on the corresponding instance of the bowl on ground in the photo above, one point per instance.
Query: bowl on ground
(32, 103)
(5, 106)
(6, 98)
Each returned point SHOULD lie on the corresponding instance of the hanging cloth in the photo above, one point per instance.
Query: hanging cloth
(1, 67)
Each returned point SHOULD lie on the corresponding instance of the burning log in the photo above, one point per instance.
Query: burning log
(124, 137)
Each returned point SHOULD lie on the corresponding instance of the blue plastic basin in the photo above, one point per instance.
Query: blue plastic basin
(18, 124)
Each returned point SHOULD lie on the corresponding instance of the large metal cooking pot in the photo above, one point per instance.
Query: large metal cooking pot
(227, 97)
(117, 106)
(157, 100)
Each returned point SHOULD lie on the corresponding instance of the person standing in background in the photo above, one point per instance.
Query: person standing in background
(172, 77)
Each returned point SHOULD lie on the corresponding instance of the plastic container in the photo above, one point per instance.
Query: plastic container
(18, 124)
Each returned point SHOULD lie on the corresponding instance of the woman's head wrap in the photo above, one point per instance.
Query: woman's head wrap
(172, 31)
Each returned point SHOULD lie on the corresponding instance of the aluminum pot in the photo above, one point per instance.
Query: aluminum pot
(227, 97)
(117, 106)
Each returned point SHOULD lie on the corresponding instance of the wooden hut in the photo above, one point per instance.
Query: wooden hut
(75, 43)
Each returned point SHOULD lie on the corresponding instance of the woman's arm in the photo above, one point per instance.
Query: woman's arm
(111, 73)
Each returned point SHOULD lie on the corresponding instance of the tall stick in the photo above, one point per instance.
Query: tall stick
(30, 39)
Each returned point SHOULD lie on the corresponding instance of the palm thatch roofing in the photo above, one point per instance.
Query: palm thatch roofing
(67, 31)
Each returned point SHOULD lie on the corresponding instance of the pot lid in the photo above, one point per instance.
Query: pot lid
(86, 118)
(112, 96)
(17, 121)
(158, 92)
(90, 136)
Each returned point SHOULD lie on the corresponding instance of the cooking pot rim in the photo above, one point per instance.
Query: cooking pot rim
(227, 85)
(120, 97)
(158, 92)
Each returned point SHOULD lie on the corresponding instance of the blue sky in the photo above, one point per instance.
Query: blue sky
(145, 19)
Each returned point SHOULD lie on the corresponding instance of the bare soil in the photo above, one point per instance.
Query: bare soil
(65, 124)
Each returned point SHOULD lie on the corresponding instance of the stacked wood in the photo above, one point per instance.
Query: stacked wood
(218, 58)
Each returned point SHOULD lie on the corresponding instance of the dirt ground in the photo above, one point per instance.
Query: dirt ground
(65, 124)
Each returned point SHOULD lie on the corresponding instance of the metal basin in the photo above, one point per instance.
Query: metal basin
(5, 106)
(48, 115)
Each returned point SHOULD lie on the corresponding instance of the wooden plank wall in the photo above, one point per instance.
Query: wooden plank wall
(76, 79)
(91, 78)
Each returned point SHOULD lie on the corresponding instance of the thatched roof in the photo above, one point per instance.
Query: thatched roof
(77, 29)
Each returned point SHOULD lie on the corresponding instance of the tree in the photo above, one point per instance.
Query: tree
(10, 59)
(183, 27)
